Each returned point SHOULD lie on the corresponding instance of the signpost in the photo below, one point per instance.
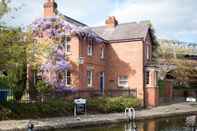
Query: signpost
(80, 106)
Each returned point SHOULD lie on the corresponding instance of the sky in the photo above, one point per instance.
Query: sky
(171, 19)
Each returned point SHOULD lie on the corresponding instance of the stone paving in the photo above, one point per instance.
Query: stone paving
(85, 120)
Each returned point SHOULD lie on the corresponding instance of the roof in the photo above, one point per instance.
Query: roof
(71, 20)
(125, 31)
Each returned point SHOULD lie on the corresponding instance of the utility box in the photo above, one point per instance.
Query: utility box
(79, 106)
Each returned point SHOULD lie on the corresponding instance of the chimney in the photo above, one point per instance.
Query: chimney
(50, 8)
(111, 22)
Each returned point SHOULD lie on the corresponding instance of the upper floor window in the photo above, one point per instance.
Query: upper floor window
(123, 81)
(67, 46)
(90, 49)
(102, 53)
(89, 78)
(147, 52)
(147, 75)
(67, 78)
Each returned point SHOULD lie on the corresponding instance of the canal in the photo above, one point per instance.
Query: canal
(181, 123)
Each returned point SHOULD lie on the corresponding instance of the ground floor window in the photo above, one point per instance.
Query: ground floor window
(147, 77)
(68, 78)
(123, 81)
(89, 78)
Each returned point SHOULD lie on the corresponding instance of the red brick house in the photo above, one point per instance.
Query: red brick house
(121, 61)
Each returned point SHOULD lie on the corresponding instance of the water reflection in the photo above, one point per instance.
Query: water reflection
(187, 123)
(131, 126)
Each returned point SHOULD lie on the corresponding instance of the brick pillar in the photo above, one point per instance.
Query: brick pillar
(168, 92)
(151, 89)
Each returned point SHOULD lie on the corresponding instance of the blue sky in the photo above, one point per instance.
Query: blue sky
(172, 19)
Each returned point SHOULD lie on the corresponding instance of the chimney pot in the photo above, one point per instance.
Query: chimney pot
(111, 22)
(50, 8)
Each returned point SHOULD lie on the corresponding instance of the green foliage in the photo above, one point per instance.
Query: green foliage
(43, 87)
(185, 74)
(54, 108)
(13, 60)
(111, 104)
(3, 7)
(161, 84)
(4, 82)
(13, 110)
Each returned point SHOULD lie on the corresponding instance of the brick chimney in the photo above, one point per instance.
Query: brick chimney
(50, 8)
(111, 22)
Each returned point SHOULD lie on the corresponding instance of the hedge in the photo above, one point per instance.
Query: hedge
(54, 108)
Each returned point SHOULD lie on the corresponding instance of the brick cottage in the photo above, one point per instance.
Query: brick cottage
(122, 61)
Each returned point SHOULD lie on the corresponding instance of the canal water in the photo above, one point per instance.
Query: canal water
(183, 123)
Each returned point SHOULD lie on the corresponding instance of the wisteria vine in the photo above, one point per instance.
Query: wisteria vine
(53, 28)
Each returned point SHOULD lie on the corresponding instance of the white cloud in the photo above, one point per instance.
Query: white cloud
(172, 19)
(169, 17)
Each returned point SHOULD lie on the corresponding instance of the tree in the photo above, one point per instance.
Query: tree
(13, 59)
(185, 73)
(3, 7)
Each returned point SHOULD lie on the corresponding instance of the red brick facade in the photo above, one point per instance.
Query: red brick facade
(123, 59)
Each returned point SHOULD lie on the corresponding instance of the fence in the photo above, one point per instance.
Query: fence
(110, 92)
(179, 95)
(87, 93)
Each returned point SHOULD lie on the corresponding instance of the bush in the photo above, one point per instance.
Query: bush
(42, 87)
(14, 110)
(111, 104)
(54, 108)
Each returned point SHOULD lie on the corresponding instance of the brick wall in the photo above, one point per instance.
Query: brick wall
(126, 59)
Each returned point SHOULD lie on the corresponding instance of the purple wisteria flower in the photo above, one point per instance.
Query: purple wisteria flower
(54, 68)
(55, 27)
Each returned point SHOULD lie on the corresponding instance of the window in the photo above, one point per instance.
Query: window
(68, 78)
(147, 77)
(123, 81)
(67, 46)
(147, 52)
(102, 53)
(89, 77)
(90, 50)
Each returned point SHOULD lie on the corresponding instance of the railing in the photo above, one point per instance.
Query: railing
(87, 93)
(109, 92)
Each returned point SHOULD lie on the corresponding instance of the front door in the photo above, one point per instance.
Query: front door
(102, 82)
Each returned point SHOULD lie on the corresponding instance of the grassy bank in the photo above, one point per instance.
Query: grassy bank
(54, 108)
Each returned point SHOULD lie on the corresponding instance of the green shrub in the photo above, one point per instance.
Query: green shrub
(43, 87)
(111, 104)
(54, 108)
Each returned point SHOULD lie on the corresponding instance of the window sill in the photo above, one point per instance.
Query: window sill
(89, 86)
(68, 53)
(121, 86)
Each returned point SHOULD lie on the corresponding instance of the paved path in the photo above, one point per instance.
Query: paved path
(66, 122)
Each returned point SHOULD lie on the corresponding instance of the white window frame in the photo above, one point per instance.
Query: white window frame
(120, 79)
(90, 83)
(66, 78)
(90, 50)
(67, 46)
(102, 53)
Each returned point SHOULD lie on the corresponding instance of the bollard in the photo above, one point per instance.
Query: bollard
(30, 126)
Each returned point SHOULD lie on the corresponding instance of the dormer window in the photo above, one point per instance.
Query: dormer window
(147, 52)
(90, 50)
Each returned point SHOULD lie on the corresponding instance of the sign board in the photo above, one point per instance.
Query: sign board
(80, 106)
